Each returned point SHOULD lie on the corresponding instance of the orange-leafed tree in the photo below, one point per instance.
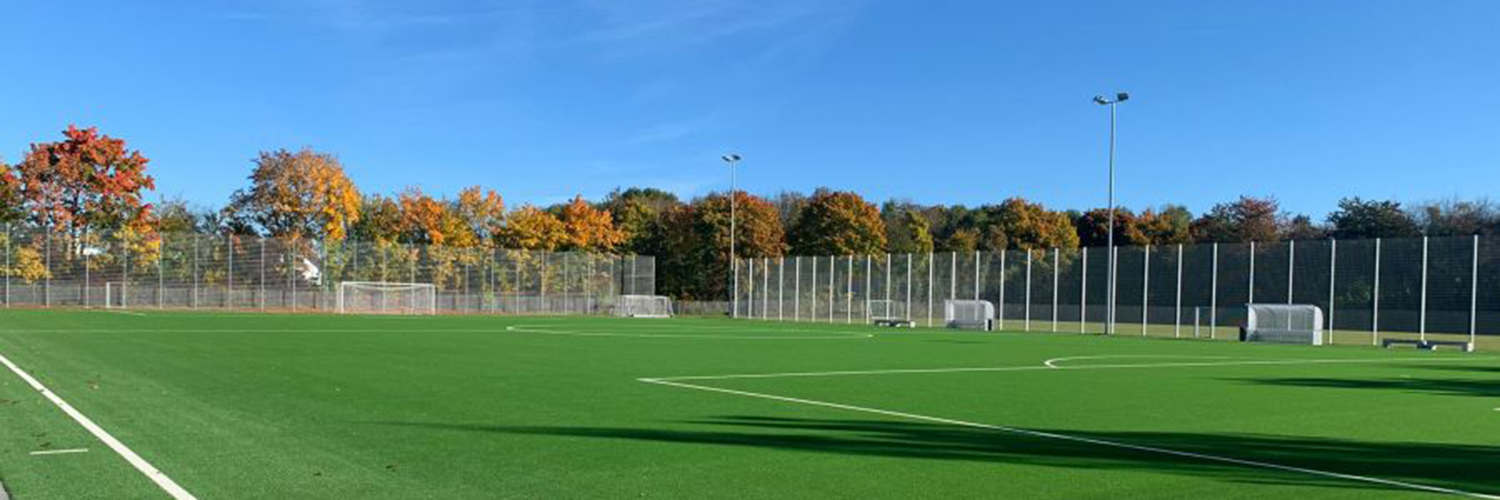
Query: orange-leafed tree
(481, 211)
(302, 194)
(531, 228)
(588, 228)
(10, 195)
(838, 223)
(87, 181)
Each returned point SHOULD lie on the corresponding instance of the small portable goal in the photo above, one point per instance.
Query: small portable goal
(1284, 324)
(889, 313)
(114, 295)
(643, 306)
(969, 314)
(380, 297)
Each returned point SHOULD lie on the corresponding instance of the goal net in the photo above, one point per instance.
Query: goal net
(886, 310)
(969, 314)
(114, 295)
(1284, 324)
(373, 297)
(643, 306)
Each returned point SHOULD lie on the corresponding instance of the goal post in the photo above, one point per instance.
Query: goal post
(643, 306)
(114, 295)
(379, 297)
(887, 310)
(1284, 324)
(969, 314)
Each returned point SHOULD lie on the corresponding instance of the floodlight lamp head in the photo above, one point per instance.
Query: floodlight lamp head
(1122, 97)
(1100, 100)
(731, 158)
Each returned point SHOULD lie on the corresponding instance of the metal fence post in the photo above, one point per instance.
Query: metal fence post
(849, 296)
(1291, 269)
(262, 273)
(797, 289)
(1422, 316)
(908, 287)
(124, 279)
(83, 294)
(1113, 290)
(47, 282)
(765, 288)
(8, 236)
(161, 285)
(832, 292)
(812, 310)
(1213, 296)
(1375, 310)
(1002, 289)
(930, 282)
(1252, 272)
(953, 276)
(229, 277)
(1083, 294)
(1177, 308)
(734, 291)
(781, 289)
(1056, 274)
(1027, 309)
(868, 280)
(1474, 295)
(1145, 289)
(978, 274)
(194, 301)
(1333, 266)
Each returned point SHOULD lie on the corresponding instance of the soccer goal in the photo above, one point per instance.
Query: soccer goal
(643, 306)
(969, 314)
(889, 313)
(1284, 324)
(375, 297)
(114, 295)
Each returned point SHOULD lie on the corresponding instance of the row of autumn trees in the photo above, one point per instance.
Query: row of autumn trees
(90, 186)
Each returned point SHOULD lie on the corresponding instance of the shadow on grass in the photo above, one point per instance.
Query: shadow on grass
(1463, 467)
(1485, 388)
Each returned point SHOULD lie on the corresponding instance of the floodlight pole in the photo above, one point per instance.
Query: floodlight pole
(1109, 314)
(734, 266)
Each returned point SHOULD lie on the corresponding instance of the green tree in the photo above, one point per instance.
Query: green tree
(1359, 218)
(838, 223)
(911, 233)
(639, 213)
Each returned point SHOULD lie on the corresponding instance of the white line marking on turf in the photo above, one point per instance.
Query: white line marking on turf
(59, 452)
(1052, 363)
(906, 371)
(534, 329)
(1076, 439)
(140, 464)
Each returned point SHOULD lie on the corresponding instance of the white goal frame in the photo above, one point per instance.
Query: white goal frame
(640, 306)
(1284, 324)
(969, 314)
(116, 290)
(424, 298)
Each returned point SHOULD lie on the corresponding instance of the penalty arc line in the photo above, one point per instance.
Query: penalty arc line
(676, 382)
(155, 475)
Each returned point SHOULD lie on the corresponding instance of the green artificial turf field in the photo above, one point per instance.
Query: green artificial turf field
(300, 406)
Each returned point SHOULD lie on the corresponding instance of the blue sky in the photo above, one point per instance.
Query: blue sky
(934, 101)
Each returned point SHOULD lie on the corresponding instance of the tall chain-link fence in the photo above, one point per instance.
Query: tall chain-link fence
(1439, 287)
(195, 271)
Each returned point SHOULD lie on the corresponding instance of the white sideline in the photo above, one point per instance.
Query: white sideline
(535, 329)
(675, 382)
(906, 371)
(140, 464)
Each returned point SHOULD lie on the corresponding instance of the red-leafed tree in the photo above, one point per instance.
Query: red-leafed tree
(88, 181)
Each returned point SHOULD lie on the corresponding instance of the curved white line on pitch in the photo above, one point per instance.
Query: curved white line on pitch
(534, 329)
(1052, 363)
